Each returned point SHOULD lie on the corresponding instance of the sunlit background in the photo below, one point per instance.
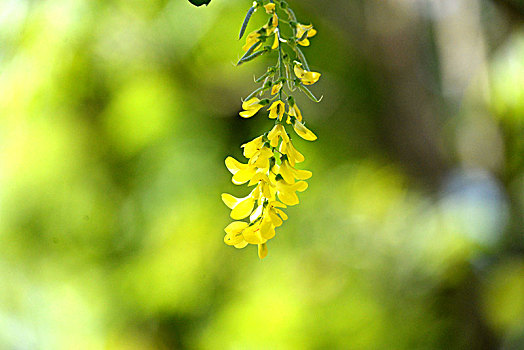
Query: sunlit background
(116, 117)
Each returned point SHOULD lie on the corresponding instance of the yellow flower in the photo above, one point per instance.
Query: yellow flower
(262, 250)
(275, 42)
(276, 88)
(234, 165)
(242, 173)
(306, 77)
(293, 155)
(234, 234)
(239, 234)
(294, 112)
(304, 132)
(265, 187)
(287, 192)
(270, 29)
(251, 39)
(252, 146)
(277, 131)
(274, 182)
(277, 110)
(270, 8)
(275, 215)
(289, 173)
(253, 234)
(251, 107)
(241, 208)
(301, 29)
(261, 157)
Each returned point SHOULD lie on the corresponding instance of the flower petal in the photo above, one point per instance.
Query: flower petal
(249, 103)
(249, 113)
(262, 251)
(300, 186)
(236, 226)
(289, 198)
(267, 230)
(241, 245)
(275, 219)
(244, 175)
(252, 235)
(310, 78)
(304, 132)
(234, 165)
(286, 172)
(243, 209)
(229, 200)
(251, 147)
(302, 174)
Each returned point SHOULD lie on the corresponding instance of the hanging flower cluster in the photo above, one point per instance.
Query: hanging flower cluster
(272, 157)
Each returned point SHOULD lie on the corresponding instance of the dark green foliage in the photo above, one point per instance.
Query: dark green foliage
(200, 2)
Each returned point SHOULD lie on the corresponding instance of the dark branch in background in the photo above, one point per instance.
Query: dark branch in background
(514, 8)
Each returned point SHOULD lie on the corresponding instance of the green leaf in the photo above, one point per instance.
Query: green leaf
(200, 2)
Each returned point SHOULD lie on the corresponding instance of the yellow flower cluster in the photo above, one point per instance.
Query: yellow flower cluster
(271, 158)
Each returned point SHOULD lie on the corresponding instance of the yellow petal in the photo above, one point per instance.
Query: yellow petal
(277, 109)
(229, 200)
(266, 190)
(275, 219)
(304, 132)
(301, 29)
(302, 174)
(233, 239)
(304, 42)
(262, 251)
(267, 230)
(295, 112)
(276, 204)
(300, 186)
(243, 209)
(270, 8)
(265, 153)
(241, 245)
(278, 130)
(252, 235)
(282, 214)
(261, 162)
(276, 88)
(299, 71)
(249, 113)
(234, 233)
(275, 43)
(252, 147)
(289, 198)
(274, 23)
(244, 175)
(236, 226)
(286, 172)
(251, 39)
(259, 176)
(249, 104)
(310, 78)
(293, 153)
(234, 165)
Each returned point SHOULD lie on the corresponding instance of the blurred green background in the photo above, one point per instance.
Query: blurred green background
(116, 117)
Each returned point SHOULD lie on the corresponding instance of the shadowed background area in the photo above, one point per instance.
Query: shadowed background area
(116, 117)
